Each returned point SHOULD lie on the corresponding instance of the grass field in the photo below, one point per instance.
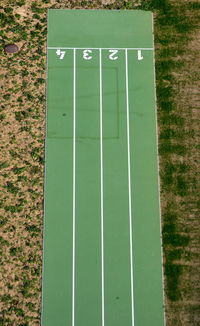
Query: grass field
(22, 147)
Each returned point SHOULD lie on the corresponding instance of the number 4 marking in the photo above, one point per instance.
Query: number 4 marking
(112, 55)
(60, 53)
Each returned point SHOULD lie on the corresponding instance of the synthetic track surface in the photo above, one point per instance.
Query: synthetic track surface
(102, 249)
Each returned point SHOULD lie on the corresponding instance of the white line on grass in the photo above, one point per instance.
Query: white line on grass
(89, 48)
(74, 186)
(101, 159)
(129, 188)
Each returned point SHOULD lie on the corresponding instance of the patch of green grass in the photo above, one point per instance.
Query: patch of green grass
(35, 169)
(183, 168)
(16, 208)
(36, 9)
(172, 175)
(175, 254)
(25, 128)
(168, 148)
(181, 186)
(21, 115)
(35, 271)
(165, 66)
(34, 152)
(2, 116)
(20, 3)
(24, 72)
(178, 20)
(35, 155)
(173, 273)
(14, 251)
(3, 221)
(13, 154)
(18, 170)
(25, 288)
(11, 228)
(193, 5)
(171, 52)
(5, 298)
(6, 20)
(8, 10)
(164, 93)
(128, 5)
(32, 228)
(161, 5)
(172, 119)
(18, 311)
(39, 81)
(22, 178)
(31, 306)
(9, 286)
(4, 165)
(175, 239)
(7, 96)
(169, 228)
(3, 242)
(170, 134)
(168, 174)
(11, 187)
(5, 321)
(5, 175)
(184, 27)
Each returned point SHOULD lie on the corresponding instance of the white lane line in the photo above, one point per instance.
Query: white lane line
(101, 159)
(68, 48)
(74, 187)
(129, 188)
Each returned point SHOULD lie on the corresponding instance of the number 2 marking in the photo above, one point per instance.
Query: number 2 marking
(86, 54)
(112, 55)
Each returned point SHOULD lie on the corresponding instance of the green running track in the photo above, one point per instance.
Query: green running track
(102, 262)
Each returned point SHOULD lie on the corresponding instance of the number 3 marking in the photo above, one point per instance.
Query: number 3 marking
(86, 54)
(112, 55)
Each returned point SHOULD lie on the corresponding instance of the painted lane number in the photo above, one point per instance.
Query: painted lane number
(113, 55)
(61, 54)
(140, 56)
(87, 54)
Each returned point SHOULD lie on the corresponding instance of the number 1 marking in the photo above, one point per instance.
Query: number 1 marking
(112, 54)
(140, 57)
(60, 53)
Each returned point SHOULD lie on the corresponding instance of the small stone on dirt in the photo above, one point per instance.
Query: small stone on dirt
(11, 48)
